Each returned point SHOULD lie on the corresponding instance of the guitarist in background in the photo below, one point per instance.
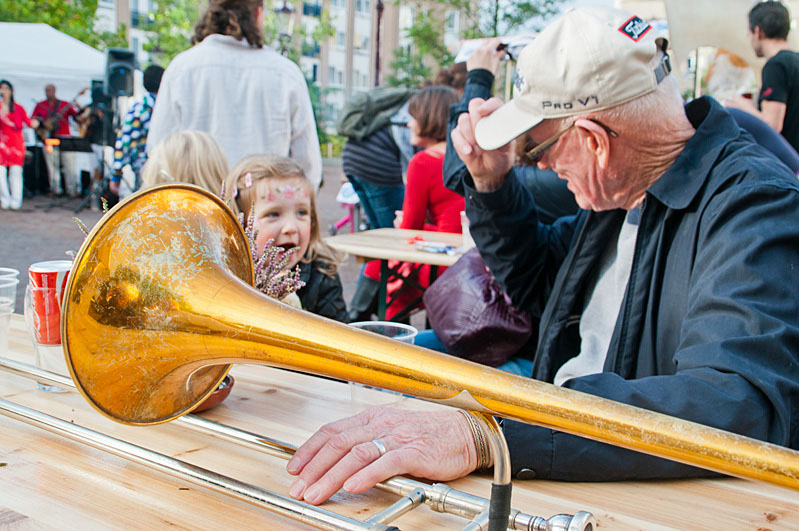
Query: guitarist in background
(54, 115)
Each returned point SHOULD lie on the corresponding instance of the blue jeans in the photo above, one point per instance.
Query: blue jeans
(516, 365)
(379, 202)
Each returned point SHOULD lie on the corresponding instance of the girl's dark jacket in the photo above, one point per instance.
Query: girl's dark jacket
(322, 293)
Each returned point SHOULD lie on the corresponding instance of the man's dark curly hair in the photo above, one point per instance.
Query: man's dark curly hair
(772, 18)
(236, 18)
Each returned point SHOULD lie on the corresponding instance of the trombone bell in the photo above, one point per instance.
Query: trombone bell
(142, 303)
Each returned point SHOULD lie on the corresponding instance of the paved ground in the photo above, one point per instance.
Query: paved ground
(44, 230)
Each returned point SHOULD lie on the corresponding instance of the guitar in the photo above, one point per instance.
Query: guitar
(48, 126)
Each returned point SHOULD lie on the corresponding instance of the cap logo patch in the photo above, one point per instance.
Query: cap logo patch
(635, 28)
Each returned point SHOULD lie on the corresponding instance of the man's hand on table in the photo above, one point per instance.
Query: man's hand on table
(433, 445)
(487, 168)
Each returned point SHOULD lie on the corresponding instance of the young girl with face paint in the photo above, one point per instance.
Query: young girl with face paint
(284, 205)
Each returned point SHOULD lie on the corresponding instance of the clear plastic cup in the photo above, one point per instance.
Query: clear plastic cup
(369, 395)
(7, 272)
(43, 319)
(398, 331)
(8, 297)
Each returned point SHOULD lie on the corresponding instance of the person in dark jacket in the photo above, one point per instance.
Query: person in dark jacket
(672, 290)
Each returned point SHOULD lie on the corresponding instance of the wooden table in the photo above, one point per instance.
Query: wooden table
(395, 244)
(50, 482)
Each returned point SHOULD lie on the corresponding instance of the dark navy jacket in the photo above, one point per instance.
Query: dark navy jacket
(709, 326)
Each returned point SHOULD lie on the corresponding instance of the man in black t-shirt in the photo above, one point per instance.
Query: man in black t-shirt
(769, 24)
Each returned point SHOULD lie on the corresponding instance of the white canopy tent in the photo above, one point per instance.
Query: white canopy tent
(36, 54)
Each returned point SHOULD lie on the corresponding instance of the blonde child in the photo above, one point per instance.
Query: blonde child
(187, 157)
(285, 211)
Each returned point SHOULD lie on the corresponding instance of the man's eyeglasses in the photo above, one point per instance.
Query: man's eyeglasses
(532, 151)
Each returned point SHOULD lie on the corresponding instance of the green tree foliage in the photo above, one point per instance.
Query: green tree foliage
(408, 69)
(412, 66)
(170, 28)
(76, 18)
(523, 16)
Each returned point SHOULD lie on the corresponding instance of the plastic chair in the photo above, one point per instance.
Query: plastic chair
(348, 199)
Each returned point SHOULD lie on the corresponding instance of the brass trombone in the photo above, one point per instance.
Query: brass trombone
(159, 304)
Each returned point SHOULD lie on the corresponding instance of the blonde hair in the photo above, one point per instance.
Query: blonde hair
(190, 157)
(241, 198)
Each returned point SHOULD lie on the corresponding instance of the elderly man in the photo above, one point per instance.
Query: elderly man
(673, 289)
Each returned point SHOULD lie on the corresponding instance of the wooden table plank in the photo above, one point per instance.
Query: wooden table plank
(50, 482)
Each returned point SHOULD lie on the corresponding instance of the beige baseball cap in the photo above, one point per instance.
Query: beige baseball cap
(591, 58)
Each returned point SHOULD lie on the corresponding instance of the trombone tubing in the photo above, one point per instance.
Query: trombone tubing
(440, 497)
(282, 505)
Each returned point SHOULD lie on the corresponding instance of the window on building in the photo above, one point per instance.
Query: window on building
(452, 20)
(314, 73)
(311, 8)
(331, 75)
(341, 38)
(340, 75)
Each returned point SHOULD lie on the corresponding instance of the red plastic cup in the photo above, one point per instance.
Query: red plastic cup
(48, 281)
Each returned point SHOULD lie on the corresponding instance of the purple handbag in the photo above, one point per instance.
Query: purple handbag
(473, 316)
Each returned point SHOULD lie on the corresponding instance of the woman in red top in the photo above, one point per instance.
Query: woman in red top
(428, 204)
(12, 147)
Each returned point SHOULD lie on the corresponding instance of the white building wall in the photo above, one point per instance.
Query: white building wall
(106, 16)
(361, 46)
